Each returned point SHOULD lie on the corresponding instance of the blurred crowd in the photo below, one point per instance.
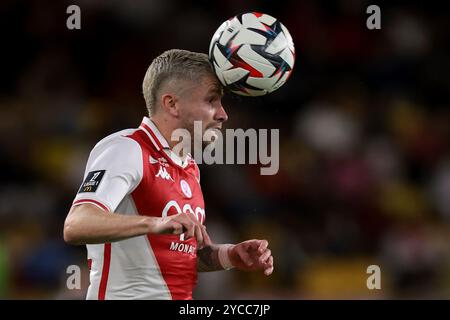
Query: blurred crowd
(364, 125)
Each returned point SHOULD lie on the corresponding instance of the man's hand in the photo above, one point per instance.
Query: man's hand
(178, 224)
(252, 255)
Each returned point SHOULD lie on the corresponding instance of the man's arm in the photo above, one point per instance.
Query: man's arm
(250, 255)
(208, 259)
(88, 224)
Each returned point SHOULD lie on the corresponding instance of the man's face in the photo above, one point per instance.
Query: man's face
(202, 102)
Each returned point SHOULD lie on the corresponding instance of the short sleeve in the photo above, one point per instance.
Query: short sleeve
(114, 170)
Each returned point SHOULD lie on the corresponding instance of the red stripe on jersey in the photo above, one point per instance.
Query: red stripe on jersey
(105, 271)
(153, 135)
(158, 143)
(101, 205)
(149, 136)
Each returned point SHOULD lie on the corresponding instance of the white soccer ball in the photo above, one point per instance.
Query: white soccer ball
(252, 54)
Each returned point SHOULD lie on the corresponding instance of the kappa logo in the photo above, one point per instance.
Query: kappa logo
(162, 173)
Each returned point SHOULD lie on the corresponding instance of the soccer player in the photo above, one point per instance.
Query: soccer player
(140, 210)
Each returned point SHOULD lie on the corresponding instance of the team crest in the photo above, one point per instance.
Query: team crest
(185, 188)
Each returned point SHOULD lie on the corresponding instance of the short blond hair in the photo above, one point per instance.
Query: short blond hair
(173, 64)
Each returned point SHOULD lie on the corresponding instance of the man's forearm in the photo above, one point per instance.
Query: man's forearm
(86, 224)
(214, 257)
(208, 259)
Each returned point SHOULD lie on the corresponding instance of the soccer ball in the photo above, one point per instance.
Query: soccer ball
(252, 54)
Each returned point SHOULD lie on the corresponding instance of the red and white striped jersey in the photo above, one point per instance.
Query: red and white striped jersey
(134, 172)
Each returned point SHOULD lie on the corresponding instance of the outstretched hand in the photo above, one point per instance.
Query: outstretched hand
(252, 255)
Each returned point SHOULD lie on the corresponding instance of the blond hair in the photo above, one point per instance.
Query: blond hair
(172, 64)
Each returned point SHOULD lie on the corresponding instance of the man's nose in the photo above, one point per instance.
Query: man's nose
(221, 114)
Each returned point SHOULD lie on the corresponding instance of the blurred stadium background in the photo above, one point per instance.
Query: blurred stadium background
(364, 158)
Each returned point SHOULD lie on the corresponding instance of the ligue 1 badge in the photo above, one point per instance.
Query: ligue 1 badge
(186, 189)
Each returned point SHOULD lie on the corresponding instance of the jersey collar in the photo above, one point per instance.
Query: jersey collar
(158, 140)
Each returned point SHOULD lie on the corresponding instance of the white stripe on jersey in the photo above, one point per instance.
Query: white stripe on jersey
(150, 136)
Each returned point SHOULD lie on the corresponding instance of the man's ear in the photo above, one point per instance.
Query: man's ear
(170, 105)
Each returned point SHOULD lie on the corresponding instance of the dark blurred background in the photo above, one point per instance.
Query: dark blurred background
(364, 155)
